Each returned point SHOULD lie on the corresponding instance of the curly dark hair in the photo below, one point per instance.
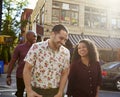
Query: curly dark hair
(92, 51)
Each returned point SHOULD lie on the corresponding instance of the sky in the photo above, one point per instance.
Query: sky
(32, 4)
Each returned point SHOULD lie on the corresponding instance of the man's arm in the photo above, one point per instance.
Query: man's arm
(9, 71)
(11, 64)
(63, 81)
(27, 80)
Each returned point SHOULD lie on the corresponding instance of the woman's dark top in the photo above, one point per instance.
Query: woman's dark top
(83, 80)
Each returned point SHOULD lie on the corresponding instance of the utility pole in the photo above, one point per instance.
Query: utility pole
(0, 14)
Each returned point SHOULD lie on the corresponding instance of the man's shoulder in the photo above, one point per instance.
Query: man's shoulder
(40, 44)
(65, 49)
(19, 46)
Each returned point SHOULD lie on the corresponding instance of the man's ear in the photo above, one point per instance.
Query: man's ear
(52, 34)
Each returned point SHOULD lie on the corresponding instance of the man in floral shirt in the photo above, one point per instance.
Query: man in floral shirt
(47, 65)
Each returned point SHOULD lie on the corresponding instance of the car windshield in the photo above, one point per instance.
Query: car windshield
(110, 65)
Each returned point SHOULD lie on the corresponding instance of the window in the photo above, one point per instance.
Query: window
(74, 18)
(65, 13)
(56, 15)
(65, 6)
(74, 7)
(65, 17)
(38, 18)
(95, 18)
(42, 16)
(56, 5)
(115, 23)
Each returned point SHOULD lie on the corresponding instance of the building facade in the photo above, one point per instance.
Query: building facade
(98, 20)
(25, 23)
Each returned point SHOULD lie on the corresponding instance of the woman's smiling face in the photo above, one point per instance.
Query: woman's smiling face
(82, 49)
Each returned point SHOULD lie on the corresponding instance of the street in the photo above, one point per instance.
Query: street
(9, 91)
(104, 93)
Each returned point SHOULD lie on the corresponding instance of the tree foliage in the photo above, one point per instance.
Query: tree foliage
(12, 10)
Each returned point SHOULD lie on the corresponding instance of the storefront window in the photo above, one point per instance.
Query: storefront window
(56, 15)
(65, 6)
(95, 18)
(74, 7)
(74, 18)
(115, 23)
(118, 24)
(65, 17)
(65, 13)
(56, 5)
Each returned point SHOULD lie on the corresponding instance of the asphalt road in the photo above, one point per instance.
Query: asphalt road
(103, 93)
(9, 91)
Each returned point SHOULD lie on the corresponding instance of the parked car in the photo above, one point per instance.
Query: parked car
(111, 75)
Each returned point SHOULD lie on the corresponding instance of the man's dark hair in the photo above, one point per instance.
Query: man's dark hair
(58, 28)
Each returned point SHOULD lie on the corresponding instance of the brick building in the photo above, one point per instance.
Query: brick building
(25, 19)
(98, 20)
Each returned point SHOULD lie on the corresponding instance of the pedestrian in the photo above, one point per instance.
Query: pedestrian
(19, 55)
(47, 65)
(85, 73)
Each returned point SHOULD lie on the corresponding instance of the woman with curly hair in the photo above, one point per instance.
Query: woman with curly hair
(85, 72)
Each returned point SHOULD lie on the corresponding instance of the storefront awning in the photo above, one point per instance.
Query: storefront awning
(113, 42)
(101, 42)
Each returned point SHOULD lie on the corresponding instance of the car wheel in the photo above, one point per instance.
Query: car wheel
(117, 84)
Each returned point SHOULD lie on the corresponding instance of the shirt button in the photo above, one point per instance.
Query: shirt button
(90, 85)
(89, 71)
(91, 92)
(90, 78)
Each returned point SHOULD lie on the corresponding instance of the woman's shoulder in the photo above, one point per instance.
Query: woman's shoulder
(95, 63)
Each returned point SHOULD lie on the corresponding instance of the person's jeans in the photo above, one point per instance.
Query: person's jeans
(20, 87)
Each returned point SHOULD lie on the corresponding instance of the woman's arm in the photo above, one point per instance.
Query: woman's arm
(98, 88)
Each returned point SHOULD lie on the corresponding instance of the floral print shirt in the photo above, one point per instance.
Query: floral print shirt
(47, 65)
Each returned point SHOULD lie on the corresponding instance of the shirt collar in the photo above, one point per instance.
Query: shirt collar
(28, 44)
(47, 45)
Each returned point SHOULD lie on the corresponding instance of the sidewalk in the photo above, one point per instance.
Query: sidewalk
(5, 90)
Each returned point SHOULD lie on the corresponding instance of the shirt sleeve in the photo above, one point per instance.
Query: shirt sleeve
(16, 52)
(32, 55)
(67, 60)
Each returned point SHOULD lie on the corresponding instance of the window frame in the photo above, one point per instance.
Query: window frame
(97, 13)
(66, 10)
